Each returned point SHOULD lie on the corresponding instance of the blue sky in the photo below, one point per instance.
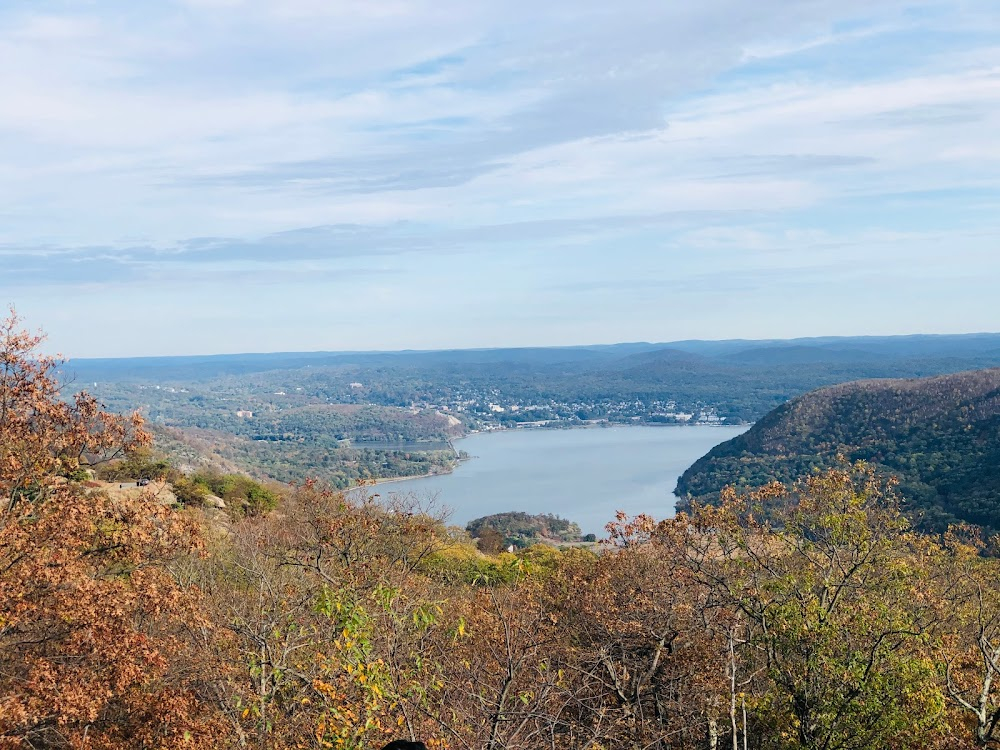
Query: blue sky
(206, 176)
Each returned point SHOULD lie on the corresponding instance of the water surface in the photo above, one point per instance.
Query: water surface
(584, 475)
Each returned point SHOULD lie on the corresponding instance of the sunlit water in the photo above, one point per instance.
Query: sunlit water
(584, 475)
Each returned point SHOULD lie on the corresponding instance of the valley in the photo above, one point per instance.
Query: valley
(345, 417)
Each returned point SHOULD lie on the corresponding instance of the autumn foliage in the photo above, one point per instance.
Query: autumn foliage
(89, 612)
(808, 616)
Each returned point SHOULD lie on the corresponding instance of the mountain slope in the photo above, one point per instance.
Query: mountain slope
(940, 436)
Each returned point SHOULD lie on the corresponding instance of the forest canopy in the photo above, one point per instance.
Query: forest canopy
(939, 436)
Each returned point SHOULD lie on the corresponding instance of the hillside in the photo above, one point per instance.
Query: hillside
(940, 436)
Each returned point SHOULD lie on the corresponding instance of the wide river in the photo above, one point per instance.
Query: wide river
(584, 475)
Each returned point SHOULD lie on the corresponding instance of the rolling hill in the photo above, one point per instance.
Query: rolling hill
(940, 436)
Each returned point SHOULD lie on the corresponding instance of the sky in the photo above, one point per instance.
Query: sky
(215, 176)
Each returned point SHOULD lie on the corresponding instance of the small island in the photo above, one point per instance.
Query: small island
(501, 530)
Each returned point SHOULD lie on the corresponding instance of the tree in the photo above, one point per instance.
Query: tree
(970, 643)
(324, 622)
(500, 673)
(89, 612)
(42, 438)
(490, 541)
(837, 603)
(647, 664)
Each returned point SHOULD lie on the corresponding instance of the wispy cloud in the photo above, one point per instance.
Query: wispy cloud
(545, 155)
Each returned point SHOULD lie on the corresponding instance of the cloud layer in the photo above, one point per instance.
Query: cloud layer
(323, 174)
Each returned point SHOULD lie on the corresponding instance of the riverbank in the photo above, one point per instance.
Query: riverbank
(428, 475)
(410, 477)
(595, 424)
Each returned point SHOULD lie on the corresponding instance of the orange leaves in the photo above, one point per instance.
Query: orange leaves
(327, 690)
(91, 616)
(88, 612)
(42, 437)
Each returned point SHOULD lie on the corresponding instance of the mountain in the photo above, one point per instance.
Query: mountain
(940, 436)
(209, 366)
(892, 355)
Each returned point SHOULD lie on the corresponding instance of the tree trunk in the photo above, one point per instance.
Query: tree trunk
(713, 735)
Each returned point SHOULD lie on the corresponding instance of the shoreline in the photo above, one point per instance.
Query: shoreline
(408, 477)
(604, 425)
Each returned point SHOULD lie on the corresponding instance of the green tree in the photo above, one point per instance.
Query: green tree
(836, 602)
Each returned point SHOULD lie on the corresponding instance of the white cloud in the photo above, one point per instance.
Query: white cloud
(131, 127)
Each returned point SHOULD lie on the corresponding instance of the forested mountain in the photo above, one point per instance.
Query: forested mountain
(940, 436)
(588, 365)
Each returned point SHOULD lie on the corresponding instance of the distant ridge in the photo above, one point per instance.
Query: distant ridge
(660, 356)
(943, 352)
(939, 435)
(216, 365)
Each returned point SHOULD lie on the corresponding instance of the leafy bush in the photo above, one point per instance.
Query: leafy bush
(241, 493)
(141, 465)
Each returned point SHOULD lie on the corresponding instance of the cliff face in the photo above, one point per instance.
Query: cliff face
(940, 436)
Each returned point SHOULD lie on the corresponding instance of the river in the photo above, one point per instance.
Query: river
(584, 475)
